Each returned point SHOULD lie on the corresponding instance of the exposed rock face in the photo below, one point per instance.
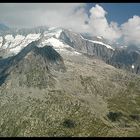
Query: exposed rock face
(120, 58)
(124, 59)
(86, 46)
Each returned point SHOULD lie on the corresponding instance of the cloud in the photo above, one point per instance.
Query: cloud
(75, 16)
(99, 25)
(36, 14)
(131, 31)
(97, 12)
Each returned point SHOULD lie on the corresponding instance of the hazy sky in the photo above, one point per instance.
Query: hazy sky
(112, 21)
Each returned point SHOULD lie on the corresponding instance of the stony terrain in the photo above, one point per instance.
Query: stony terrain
(73, 95)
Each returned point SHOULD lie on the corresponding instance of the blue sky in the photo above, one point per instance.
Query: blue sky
(118, 12)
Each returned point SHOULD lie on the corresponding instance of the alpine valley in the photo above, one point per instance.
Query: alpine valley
(56, 82)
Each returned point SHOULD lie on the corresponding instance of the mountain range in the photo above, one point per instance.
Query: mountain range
(13, 43)
(56, 82)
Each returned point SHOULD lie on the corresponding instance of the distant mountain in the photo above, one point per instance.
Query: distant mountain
(69, 42)
(3, 27)
(57, 37)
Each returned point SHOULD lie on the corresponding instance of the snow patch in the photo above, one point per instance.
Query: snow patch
(58, 46)
(54, 42)
(99, 37)
(32, 36)
(98, 42)
(51, 33)
(9, 37)
(16, 41)
(28, 39)
(133, 66)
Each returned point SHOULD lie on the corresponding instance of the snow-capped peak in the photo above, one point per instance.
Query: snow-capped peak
(51, 36)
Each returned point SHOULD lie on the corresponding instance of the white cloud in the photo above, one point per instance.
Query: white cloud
(97, 12)
(36, 14)
(131, 31)
(99, 25)
(70, 15)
